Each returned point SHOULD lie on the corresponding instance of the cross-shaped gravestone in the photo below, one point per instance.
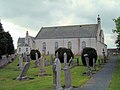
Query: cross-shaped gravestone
(56, 75)
(24, 72)
(67, 74)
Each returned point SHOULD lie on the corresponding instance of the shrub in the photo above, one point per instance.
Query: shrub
(61, 52)
(91, 54)
(33, 55)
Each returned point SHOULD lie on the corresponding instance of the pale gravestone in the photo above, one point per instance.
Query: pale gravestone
(37, 61)
(94, 65)
(56, 75)
(42, 65)
(28, 58)
(24, 72)
(20, 62)
(88, 69)
(67, 73)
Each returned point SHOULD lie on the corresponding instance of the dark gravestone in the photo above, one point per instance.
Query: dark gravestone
(24, 72)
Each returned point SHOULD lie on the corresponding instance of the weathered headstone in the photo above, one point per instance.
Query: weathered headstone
(24, 57)
(51, 59)
(24, 72)
(104, 57)
(67, 74)
(56, 75)
(42, 65)
(88, 69)
(28, 58)
(99, 61)
(37, 61)
(94, 65)
(20, 62)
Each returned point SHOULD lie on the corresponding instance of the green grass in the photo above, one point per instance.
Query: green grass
(10, 72)
(115, 83)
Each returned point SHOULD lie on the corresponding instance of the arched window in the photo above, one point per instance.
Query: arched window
(43, 46)
(56, 45)
(69, 45)
(83, 44)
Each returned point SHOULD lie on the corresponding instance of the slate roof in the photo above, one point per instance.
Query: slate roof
(74, 31)
(21, 41)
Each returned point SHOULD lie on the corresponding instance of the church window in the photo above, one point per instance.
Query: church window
(19, 49)
(83, 44)
(56, 45)
(26, 49)
(44, 46)
(69, 45)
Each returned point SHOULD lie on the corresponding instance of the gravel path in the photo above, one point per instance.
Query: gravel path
(101, 80)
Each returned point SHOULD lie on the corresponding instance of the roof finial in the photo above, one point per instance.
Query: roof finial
(98, 19)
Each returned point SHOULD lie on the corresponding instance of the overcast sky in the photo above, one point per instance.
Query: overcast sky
(18, 16)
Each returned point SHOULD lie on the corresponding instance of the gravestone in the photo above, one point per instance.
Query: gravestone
(67, 73)
(88, 69)
(37, 61)
(28, 58)
(56, 75)
(51, 59)
(42, 65)
(20, 62)
(104, 57)
(24, 57)
(99, 61)
(24, 72)
(94, 65)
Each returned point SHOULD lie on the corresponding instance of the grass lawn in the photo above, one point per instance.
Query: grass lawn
(115, 83)
(10, 72)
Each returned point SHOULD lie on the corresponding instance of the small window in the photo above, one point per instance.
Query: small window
(69, 45)
(83, 44)
(19, 49)
(56, 45)
(44, 46)
(26, 49)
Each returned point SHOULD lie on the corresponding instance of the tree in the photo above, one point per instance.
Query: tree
(117, 31)
(6, 43)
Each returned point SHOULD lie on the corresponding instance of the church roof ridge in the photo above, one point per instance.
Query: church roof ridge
(57, 26)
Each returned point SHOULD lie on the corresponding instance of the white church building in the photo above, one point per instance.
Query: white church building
(74, 37)
(24, 45)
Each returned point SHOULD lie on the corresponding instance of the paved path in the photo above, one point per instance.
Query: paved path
(101, 80)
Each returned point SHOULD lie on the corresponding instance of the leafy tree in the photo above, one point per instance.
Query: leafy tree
(117, 31)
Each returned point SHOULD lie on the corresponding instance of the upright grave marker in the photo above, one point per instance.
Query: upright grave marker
(37, 62)
(42, 65)
(20, 62)
(67, 73)
(56, 75)
(88, 69)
